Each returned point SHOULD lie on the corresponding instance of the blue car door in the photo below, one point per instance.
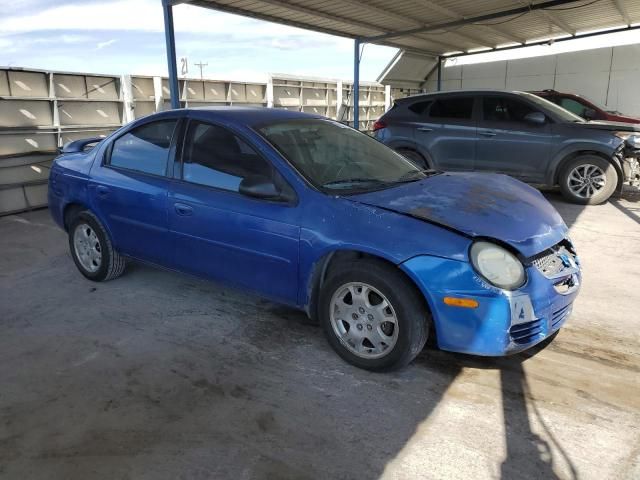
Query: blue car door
(129, 187)
(223, 234)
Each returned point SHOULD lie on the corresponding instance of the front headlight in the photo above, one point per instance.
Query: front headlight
(631, 138)
(497, 265)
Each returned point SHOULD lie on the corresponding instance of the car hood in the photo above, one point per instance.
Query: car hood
(610, 126)
(477, 205)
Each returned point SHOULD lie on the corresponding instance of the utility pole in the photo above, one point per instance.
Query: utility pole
(201, 66)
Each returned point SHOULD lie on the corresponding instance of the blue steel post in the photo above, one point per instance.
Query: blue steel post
(439, 73)
(356, 83)
(171, 53)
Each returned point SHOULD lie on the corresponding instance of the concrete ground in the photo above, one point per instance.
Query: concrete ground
(159, 375)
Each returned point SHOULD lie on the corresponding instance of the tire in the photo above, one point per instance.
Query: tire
(414, 157)
(404, 339)
(94, 254)
(599, 174)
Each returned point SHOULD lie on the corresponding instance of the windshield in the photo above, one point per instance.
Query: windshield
(336, 157)
(600, 106)
(564, 114)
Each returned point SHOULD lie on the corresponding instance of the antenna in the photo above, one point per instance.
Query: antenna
(201, 66)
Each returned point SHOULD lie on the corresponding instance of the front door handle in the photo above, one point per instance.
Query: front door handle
(425, 129)
(182, 209)
(488, 133)
(102, 191)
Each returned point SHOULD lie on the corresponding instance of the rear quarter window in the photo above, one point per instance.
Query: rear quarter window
(420, 107)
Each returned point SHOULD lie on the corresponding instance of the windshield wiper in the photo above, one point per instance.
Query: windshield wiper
(349, 181)
(408, 177)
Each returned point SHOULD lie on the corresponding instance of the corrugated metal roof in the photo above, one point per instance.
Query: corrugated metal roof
(371, 18)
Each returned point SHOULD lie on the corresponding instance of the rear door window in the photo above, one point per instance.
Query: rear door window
(145, 148)
(459, 108)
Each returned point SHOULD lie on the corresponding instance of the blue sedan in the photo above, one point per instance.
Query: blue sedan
(311, 213)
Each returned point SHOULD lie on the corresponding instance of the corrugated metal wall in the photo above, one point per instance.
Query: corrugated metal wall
(40, 111)
(610, 76)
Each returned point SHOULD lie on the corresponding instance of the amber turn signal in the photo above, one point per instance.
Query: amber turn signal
(461, 302)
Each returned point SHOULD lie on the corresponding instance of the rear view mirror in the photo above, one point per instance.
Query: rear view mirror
(535, 118)
(263, 187)
(258, 186)
(589, 113)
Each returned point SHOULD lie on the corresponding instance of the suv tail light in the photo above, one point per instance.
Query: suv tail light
(379, 125)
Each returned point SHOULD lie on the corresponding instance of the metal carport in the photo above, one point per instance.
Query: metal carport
(437, 28)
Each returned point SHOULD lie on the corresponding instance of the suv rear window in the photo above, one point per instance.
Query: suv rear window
(458, 107)
(420, 107)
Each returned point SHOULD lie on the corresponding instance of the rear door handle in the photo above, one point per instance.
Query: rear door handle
(102, 191)
(425, 129)
(488, 134)
(182, 209)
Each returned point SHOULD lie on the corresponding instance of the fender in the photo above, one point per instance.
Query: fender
(574, 148)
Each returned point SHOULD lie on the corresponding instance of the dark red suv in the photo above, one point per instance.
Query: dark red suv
(583, 107)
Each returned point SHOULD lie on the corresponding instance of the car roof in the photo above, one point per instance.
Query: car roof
(249, 115)
(475, 91)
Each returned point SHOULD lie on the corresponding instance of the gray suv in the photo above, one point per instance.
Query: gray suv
(515, 133)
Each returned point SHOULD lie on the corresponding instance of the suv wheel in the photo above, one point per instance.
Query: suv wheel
(372, 316)
(92, 250)
(588, 180)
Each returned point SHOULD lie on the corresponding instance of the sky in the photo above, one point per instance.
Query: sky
(126, 36)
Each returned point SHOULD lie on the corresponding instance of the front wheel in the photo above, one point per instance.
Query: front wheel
(373, 317)
(588, 180)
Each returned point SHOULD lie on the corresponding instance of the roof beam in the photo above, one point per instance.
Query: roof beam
(562, 25)
(623, 11)
(411, 21)
(466, 21)
(447, 12)
(558, 22)
(223, 7)
(351, 22)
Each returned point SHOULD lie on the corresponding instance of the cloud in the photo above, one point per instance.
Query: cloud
(106, 44)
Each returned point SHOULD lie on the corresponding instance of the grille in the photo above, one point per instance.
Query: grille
(524, 333)
(557, 260)
(559, 316)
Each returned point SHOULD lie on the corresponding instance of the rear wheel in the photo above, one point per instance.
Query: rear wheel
(588, 180)
(92, 250)
(413, 156)
(373, 317)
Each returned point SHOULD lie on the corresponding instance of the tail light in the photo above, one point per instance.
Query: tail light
(379, 125)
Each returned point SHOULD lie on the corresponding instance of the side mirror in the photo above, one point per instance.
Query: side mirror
(589, 113)
(261, 186)
(535, 118)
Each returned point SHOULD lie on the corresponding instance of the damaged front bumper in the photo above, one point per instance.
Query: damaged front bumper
(504, 322)
(628, 157)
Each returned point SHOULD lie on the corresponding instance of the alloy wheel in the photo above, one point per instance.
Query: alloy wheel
(364, 320)
(87, 247)
(586, 180)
